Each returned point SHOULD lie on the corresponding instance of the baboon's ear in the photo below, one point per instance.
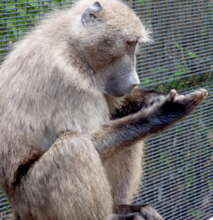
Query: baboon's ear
(90, 15)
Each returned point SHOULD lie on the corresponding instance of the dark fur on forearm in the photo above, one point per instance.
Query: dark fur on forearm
(139, 99)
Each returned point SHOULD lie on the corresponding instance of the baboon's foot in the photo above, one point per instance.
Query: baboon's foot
(137, 212)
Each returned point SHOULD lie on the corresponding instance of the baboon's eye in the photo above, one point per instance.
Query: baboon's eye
(131, 42)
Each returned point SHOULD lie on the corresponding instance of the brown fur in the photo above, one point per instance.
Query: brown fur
(53, 82)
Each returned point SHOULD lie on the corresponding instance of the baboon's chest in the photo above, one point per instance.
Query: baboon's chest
(85, 114)
(91, 115)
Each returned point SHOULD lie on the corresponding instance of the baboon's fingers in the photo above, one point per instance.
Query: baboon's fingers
(193, 97)
(196, 96)
(191, 100)
(172, 94)
(178, 106)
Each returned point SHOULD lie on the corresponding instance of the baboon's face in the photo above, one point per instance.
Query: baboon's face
(114, 65)
(110, 51)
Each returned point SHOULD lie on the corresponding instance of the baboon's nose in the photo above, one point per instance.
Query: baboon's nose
(134, 79)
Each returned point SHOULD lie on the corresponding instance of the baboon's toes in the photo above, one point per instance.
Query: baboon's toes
(149, 213)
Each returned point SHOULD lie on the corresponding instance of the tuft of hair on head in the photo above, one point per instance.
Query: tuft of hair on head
(146, 37)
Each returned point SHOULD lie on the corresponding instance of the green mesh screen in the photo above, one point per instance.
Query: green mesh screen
(178, 163)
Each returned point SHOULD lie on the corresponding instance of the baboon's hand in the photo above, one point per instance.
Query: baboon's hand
(151, 99)
(176, 106)
(138, 212)
(165, 111)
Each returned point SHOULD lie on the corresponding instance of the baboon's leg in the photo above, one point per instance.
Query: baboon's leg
(124, 170)
(67, 183)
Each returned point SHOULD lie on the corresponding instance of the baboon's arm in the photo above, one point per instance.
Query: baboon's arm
(156, 117)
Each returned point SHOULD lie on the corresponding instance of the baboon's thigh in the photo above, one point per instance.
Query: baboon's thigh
(67, 183)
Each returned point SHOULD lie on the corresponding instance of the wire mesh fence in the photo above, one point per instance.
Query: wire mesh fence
(178, 177)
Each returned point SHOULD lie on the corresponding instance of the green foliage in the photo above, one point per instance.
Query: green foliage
(200, 80)
(16, 17)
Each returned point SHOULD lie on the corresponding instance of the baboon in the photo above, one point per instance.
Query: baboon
(73, 119)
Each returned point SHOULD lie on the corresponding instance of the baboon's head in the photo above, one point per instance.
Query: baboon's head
(108, 33)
